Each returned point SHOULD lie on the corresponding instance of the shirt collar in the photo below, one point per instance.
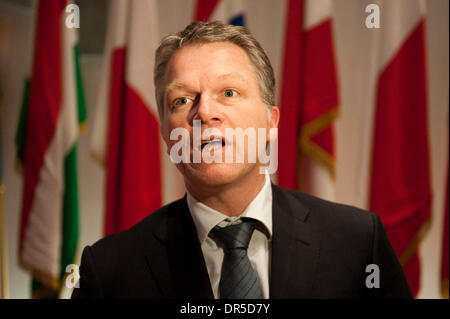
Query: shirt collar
(205, 218)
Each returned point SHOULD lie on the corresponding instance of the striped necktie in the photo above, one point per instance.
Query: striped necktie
(238, 279)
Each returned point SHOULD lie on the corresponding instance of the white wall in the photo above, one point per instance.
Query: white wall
(266, 22)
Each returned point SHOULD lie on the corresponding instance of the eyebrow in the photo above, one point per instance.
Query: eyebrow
(181, 86)
(175, 86)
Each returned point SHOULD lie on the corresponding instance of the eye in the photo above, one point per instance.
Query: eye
(181, 101)
(230, 93)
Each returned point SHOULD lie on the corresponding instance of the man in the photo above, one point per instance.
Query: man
(234, 234)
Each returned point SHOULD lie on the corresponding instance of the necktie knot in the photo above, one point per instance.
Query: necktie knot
(237, 235)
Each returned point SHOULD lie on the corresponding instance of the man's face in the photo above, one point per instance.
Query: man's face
(216, 84)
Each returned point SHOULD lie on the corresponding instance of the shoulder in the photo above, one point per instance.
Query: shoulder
(344, 233)
(320, 206)
(131, 242)
(117, 265)
(327, 215)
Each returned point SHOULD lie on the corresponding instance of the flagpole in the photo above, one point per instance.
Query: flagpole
(3, 248)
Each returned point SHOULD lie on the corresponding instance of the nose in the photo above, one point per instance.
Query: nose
(208, 111)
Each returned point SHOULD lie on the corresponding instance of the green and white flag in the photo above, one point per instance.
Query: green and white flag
(52, 112)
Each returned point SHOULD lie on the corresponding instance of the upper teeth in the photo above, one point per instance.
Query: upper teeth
(216, 140)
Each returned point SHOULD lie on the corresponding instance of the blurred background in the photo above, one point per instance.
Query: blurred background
(364, 122)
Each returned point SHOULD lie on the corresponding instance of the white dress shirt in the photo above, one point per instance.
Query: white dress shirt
(206, 218)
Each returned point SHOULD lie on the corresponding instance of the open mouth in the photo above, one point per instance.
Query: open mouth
(210, 145)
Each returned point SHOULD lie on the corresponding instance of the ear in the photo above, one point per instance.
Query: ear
(274, 116)
(273, 123)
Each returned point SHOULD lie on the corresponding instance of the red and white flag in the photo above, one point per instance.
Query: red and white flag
(400, 191)
(309, 100)
(126, 136)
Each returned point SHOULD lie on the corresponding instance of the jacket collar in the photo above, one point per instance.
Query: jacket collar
(177, 263)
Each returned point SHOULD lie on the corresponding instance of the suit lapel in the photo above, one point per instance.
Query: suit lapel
(177, 260)
(295, 248)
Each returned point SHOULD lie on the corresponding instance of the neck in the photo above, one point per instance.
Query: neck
(230, 199)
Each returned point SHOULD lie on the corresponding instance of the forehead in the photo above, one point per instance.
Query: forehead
(208, 61)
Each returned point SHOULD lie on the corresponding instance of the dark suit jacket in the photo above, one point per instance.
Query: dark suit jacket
(319, 250)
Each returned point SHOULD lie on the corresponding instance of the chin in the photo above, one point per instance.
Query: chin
(215, 174)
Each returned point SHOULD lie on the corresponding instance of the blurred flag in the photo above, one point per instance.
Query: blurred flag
(53, 107)
(227, 11)
(309, 100)
(4, 279)
(444, 264)
(400, 190)
(125, 137)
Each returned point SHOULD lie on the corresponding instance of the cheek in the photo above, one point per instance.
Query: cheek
(165, 130)
(165, 135)
(257, 118)
(170, 124)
